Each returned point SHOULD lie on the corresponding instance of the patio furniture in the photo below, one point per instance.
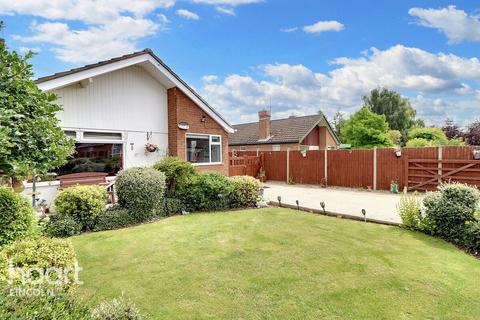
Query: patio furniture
(88, 178)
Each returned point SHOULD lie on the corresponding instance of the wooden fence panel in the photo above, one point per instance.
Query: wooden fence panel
(350, 168)
(276, 165)
(390, 168)
(308, 169)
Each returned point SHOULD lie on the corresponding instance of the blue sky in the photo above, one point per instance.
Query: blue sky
(303, 56)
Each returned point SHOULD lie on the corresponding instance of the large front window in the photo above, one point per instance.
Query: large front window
(204, 149)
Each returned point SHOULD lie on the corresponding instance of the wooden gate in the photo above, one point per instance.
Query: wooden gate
(245, 166)
(427, 174)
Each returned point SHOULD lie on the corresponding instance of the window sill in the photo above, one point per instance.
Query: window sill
(206, 164)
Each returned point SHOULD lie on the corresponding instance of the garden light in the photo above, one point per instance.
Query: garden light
(322, 204)
(279, 201)
(364, 212)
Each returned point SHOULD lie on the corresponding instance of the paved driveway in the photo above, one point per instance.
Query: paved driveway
(379, 205)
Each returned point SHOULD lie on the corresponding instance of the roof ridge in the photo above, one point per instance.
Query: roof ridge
(289, 118)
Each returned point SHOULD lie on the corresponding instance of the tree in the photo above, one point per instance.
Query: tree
(472, 135)
(431, 137)
(398, 111)
(395, 136)
(452, 130)
(338, 122)
(366, 129)
(30, 137)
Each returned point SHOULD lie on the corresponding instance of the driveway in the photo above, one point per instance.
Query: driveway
(381, 206)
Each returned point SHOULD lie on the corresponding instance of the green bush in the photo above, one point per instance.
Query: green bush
(472, 237)
(66, 306)
(246, 191)
(59, 226)
(117, 309)
(141, 192)
(173, 206)
(42, 253)
(177, 172)
(410, 211)
(205, 192)
(113, 218)
(82, 203)
(17, 219)
(451, 208)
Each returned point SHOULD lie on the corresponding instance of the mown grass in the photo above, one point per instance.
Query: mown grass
(279, 264)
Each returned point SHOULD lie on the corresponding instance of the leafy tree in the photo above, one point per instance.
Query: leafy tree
(430, 137)
(30, 137)
(366, 129)
(472, 135)
(395, 136)
(398, 111)
(337, 123)
(452, 130)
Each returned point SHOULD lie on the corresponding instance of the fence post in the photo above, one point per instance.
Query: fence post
(374, 168)
(288, 165)
(326, 167)
(440, 158)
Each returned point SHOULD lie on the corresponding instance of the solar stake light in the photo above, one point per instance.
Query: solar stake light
(364, 212)
(279, 201)
(322, 204)
(298, 207)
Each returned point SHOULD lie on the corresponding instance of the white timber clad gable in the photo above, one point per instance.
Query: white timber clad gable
(128, 100)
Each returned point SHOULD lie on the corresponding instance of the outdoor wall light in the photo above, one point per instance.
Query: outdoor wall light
(398, 153)
(203, 119)
(131, 145)
(476, 154)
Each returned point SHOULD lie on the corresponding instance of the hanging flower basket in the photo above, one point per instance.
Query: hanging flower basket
(150, 147)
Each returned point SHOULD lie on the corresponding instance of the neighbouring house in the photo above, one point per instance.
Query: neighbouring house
(311, 132)
(132, 111)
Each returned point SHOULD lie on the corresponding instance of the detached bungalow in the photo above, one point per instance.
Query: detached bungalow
(133, 110)
(295, 133)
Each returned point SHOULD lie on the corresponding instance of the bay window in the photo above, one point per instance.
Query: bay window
(203, 148)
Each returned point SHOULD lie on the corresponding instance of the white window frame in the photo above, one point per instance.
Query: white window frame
(243, 148)
(210, 142)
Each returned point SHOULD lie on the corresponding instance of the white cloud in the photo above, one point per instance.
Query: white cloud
(456, 24)
(24, 50)
(298, 89)
(187, 14)
(225, 10)
(323, 26)
(103, 29)
(228, 2)
(293, 29)
(209, 78)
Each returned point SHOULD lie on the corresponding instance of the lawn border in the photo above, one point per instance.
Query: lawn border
(333, 214)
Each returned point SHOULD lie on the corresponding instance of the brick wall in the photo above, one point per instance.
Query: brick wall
(182, 109)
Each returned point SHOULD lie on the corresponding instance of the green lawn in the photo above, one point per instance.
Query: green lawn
(279, 264)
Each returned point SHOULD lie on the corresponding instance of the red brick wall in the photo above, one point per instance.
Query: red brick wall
(182, 109)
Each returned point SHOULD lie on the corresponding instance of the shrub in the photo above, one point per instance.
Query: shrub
(117, 309)
(141, 191)
(410, 211)
(472, 237)
(210, 191)
(173, 206)
(59, 226)
(64, 306)
(177, 172)
(41, 253)
(17, 219)
(451, 208)
(246, 191)
(114, 217)
(81, 203)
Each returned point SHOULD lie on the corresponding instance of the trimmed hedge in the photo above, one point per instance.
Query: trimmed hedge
(172, 206)
(206, 192)
(246, 191)
(82, 203)
(114, 217)
(17, 219)
(39, 253)
(141, 192)
(177, 172)
(59, 226)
